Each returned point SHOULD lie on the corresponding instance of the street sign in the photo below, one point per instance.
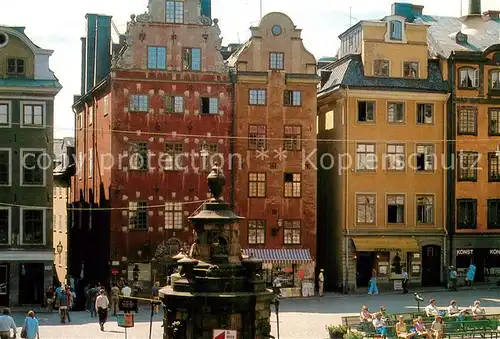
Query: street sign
(125, 320)
(225, 334)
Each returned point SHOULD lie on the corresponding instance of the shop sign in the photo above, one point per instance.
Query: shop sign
(387, 250)
(495, 252)
(125, 320)
(465, 252)
(224, 334)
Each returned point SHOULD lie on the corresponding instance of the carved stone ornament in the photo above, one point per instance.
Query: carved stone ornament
(145, 17)
(204, 20)
(217, 28)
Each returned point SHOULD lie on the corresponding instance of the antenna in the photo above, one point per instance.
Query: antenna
(260, 9)
(238, 34)
(350, 16)
(461, 8)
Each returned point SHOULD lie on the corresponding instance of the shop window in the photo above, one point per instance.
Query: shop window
(286, 275)
(463, 261)
(366, 111)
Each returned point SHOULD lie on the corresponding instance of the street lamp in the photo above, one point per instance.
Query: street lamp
(276, 303)
(59, 248)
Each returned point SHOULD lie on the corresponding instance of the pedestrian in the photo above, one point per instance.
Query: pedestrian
(63, 307)
(70, 302)
(49, 296)
(277, 286)
(321, 282)
(405, 281)
(30, 326)
(453, 279)
(115, 298)
(7, 324)
(471, 274)
(155, 292)
(93, 296)
(101, 307)
(126, 290)
(373, 289)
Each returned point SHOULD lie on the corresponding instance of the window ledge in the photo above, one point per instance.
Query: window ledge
(474, 134)
(468, 88)
(467, 180)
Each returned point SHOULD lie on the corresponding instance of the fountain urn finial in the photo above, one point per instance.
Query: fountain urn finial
(216, 181)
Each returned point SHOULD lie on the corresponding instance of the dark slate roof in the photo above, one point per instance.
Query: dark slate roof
(60, 152)
(348, 72)
(441, 38)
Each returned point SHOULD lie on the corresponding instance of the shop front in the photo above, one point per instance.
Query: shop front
(295, 269)
(483, 252)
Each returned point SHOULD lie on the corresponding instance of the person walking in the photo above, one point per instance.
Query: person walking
(70, 302)
(321, 282)
(63, 306)
(277, 286)
(155, 292)
(453, 279)
(471, 274)
(30, 326)
(101, 307)
(373, 289)
(7, 323)
(92, 297)
(115, 298)
(405, 281)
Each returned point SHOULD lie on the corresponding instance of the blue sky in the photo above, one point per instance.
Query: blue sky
(59, 24)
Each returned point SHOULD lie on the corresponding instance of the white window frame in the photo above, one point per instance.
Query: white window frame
(80, 119)
(172, 212)
(176, 18)
(80, 164)
(367, 194)
(369, 165)
(21, 224)
(9, 230)
(90, 115)
(388, 32)
(139, 97)
(433, 211)
(9, 113)
(21, 176)
(10, 166)
(464, 71)
(91, 162)
(44, 113)
(105, 103)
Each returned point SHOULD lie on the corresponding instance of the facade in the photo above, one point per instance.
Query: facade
(165, 107)
(275, 105)
(64, 167)
(469, 50)
(27, 91)
(381, 183)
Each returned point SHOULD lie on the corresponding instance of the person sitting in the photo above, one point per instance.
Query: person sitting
(453, 309)
(379, 325)
(437, 328)
(383, 311)
(419, 328)
(431, 310)
(401, 330)
(477, 311)
(365, 317)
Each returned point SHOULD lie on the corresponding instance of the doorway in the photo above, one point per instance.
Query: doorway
(31, 278)
(480, 255)
(431, 265)
(364, 266)
(4, 285)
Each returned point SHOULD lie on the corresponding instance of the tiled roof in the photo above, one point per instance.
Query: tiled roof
(442, 42)
(348, 72)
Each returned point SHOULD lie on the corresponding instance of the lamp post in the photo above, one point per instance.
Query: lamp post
(276, 303)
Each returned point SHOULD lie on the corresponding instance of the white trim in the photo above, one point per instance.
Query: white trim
(10, 255)
(356, 223)
(44, 114)
(9, 112)
(26, 97)
(10, 166)
(402, 20)
(21, 163)
(9, 231)
(42, 90)
(21, 224)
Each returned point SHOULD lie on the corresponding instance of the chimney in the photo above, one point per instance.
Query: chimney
(406, 10)
(206, 8)
(84, 68)
(90, 51)
(102, 48)
(474, 7)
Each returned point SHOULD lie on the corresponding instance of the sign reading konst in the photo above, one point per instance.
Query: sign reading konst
(225, 334)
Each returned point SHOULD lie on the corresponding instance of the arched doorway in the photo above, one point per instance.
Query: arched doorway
(431, 265)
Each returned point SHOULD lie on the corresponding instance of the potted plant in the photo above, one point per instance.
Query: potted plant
(336, 331)
(353, 335)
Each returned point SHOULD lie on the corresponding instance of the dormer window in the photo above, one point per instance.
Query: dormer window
(15, 66)
(381, 68)
(495, 80)
(469, 77)
(174, 11)
(396, 30)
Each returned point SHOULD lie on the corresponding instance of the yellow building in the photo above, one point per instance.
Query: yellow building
(381, 120)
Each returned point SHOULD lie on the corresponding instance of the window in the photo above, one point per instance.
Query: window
(425, 114)
(5, 167)
(174, 160)
(366, 159)
(292, 98)
(174, 11)
(191, 59)
(425, 209)
(396, 112)
(493, 167)
(256, 185)
(292, 230)
(257, 232)
(396, 157)
(209, 106)
(174, 104)
(33, 114)
(15, 66)
(292, 185)
(292, 137)
(467, 120)
(80, 120)
(80, 165)
(106, 105)
(494, 121)
(466, 213)
(395, 209)
(138, 152)
(425, 158)
(174, 216)
(138, 215)
(495, 80)
(257, 96)
(365, 208)
(33, 173)
(4, 114)
(157, 57)
(467, 166)
(207, 152)
(410, 69)
(257, 137)
(396, 32)
(366, 111)
(139, 103)
(91, 162)
(469, 77)
(493, 213)
(381, 68)
(276, 61)
(329, 120)
(33, 221)
(4, 226)
(90, 113)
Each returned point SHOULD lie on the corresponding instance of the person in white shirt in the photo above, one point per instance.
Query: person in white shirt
(453, 309)
(379, 324)
(6, 324)
(476, 309)
(101, 306)
(431, 310)
(126, 290)
(405, 281)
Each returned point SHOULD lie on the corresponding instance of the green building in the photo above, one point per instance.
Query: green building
(27, 91)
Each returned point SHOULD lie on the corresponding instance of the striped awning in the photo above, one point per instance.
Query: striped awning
(280, 255)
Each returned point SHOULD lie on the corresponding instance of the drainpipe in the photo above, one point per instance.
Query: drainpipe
(232, 79)
(445, 192)
(345, 112)
(451, 146)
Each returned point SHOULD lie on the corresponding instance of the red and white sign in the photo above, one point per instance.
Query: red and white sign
(225, 334)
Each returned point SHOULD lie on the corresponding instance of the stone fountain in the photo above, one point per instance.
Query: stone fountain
(215, 287)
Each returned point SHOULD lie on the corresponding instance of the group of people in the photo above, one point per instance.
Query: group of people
(62, 298)
(470, 275)
(29, 329)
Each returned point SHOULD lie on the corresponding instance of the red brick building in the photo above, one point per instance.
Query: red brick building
(148, 129)
(275, 105)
